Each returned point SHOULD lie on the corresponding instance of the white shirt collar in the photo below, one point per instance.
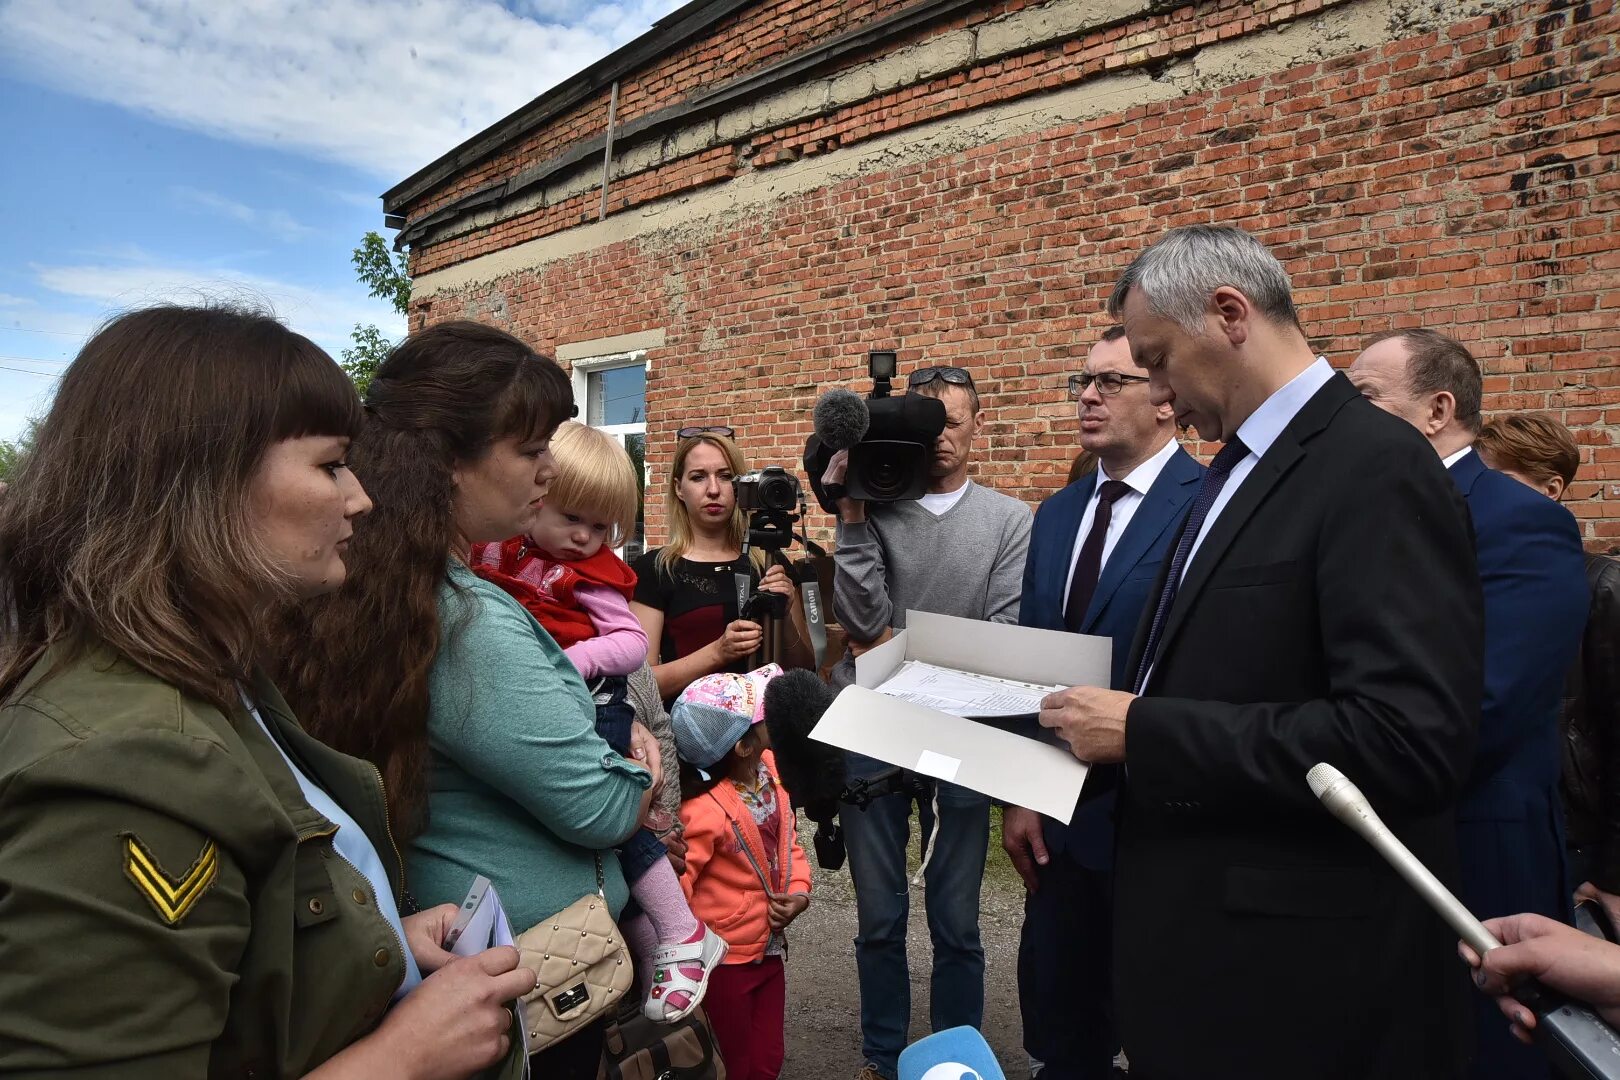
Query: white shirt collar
(1142, 477)
(1452, 459)
(1267, 422)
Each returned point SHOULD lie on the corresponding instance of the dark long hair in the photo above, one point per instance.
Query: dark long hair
(355, 665)
(128, 524)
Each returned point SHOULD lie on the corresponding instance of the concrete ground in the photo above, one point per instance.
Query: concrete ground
(823, 1010)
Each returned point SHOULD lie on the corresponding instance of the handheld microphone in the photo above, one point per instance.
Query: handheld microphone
(1575, 1038)
(959, 1053)
(1346, 802)
(812, 772)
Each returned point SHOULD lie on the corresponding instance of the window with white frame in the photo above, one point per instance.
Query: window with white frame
(612, 393)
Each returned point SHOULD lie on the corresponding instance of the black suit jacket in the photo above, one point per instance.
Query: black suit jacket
(1332, 613)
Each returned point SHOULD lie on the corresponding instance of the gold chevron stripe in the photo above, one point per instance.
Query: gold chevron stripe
(172, 898)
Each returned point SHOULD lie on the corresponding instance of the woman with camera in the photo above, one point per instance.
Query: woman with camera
(686, 592)
(190, 884)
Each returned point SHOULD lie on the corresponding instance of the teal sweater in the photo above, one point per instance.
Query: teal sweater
(521, 788)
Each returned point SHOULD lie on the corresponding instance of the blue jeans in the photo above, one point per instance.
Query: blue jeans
(877, 838)
(615, 716)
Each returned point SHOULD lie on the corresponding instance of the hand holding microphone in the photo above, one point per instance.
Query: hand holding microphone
(1575, 1038)
(1558, 957)
(841, 421)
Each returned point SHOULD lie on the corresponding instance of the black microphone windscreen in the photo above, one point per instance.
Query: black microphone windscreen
(841, 419)
(810, 770)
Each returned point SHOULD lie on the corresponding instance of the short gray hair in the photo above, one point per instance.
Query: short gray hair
(1180, 271)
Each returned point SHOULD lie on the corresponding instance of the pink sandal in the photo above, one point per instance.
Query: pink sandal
(682, 969)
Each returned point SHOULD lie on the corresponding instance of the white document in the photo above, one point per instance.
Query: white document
(976, 756)
(482, 922)
(963, 693)
(913, 693)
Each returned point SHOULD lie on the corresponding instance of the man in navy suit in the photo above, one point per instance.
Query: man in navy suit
(1095, 550)
(1510, 830)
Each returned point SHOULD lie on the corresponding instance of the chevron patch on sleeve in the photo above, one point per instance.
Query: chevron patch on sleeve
(171, 897)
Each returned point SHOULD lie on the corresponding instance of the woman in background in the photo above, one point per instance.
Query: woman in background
(686, 592)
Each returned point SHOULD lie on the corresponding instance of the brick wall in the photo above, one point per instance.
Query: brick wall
(1463, 178)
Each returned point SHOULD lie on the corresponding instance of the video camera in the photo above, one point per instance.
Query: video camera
(890, 439)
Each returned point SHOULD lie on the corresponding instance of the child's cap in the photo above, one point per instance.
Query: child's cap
(715, 711)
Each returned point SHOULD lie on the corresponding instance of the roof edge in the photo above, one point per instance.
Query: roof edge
(674, 29)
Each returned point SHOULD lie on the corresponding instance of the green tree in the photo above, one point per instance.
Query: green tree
(386, 275)
(12, 453)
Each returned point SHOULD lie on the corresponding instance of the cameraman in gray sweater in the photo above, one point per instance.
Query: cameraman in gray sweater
(958, 551)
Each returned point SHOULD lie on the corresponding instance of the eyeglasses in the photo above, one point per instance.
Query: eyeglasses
(1108, 382)
(954, 375)
(694, 432)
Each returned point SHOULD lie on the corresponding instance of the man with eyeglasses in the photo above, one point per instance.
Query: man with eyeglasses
(957, 551)
(1096, 548)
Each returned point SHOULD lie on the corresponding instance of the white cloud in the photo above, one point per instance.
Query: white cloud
(377, 84)
(276, 223)
(325, 316)
(75, 299)
(60, 331)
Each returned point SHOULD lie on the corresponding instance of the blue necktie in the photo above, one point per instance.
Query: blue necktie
(1214, 479)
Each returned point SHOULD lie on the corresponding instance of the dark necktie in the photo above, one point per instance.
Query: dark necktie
(1088, 568)
(1214, 479)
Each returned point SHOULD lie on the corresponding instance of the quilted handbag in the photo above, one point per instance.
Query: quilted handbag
(638, 1049)
(583, 965)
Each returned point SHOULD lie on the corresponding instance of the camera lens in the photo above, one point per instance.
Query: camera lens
(779, 493)
(886, 480)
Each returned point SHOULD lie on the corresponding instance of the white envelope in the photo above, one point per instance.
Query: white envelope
(988, 760)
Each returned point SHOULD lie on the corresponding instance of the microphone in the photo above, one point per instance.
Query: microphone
(1575, 1038)
(1346, 802)
(812, 772)
(841, 419)
(959, 1053)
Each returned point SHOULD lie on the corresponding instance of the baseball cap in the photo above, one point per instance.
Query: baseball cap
(715, 711)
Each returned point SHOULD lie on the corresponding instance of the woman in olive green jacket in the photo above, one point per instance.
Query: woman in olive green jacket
(189, 884)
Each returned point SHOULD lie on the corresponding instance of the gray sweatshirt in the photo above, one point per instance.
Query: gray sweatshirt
(967, 562)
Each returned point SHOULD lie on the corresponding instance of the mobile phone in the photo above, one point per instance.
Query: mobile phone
(469, 908)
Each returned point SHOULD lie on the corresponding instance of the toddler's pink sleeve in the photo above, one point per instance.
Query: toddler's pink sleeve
(620, 644)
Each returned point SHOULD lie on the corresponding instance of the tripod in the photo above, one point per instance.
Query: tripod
(772, 530)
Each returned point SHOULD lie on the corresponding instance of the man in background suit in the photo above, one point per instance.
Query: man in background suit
(1321, 604)
(1096, 547)
(1509, 824)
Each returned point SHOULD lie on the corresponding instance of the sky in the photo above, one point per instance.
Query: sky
(157, 150)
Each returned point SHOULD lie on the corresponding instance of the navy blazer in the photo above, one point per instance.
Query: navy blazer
(1116, 608)
(1533, 573)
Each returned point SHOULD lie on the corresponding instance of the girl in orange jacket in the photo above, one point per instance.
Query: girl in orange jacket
(746, 875)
